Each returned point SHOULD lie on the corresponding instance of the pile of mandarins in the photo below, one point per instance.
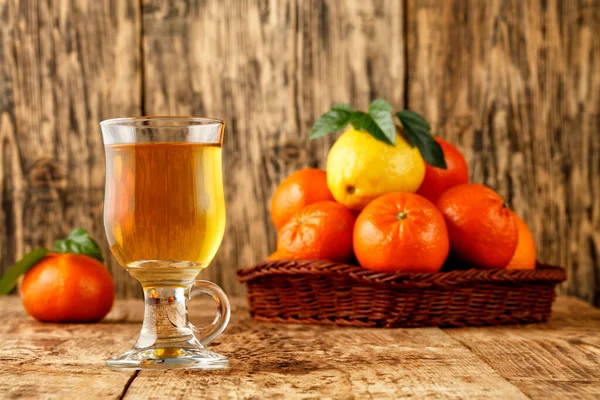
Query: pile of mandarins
(435, 213)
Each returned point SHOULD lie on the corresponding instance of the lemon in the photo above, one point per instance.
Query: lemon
(361, 168)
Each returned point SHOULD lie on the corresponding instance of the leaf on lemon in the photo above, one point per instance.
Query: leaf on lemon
(11, 276)
(342, 107)
(380, 112)
(79, 242)
(378, 122)
(364, 122)
(332, 121)
(418, 133)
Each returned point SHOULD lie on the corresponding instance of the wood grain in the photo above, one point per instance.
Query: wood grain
(268, 68)
(288, 362)
(516, 85)
(57, 361)
(63, 68)
(560, 359)
(557, 360)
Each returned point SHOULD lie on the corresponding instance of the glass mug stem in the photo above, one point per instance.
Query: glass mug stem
(166, 323)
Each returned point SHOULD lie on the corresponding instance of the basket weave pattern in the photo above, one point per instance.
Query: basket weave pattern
(325, 292)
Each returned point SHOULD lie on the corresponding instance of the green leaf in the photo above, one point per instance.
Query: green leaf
(11, 276)
(332, 121)
(342, 107)
(79, 242)
(418, 133)
(364, 122)
(380, 111)
(378, 122)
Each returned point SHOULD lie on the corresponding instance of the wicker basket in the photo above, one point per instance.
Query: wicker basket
(324, 292)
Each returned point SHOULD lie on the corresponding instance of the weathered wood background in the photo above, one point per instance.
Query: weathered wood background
(515, 84)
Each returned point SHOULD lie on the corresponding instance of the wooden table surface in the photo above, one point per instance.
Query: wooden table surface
(556, 360)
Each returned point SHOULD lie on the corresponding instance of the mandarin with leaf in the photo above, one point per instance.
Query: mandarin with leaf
(69, 284)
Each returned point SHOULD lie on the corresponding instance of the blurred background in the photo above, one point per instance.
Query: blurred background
(515, 85)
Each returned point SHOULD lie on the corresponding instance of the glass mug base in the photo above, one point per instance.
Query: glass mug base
(168, 340)
(168, 358)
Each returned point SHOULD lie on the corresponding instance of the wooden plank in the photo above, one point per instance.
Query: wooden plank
(269, 69)
(63, 68)
(516, 85)
(57, 361)
(299, 361)
(560, 359)
(557, 360)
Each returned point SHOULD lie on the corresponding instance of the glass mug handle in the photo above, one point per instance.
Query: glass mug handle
(208, 333)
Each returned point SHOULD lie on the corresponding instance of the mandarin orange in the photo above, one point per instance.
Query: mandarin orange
(320, 231)
(67, 288)
(482, 228)
(524, 257)
(401, 232)
(303, 187)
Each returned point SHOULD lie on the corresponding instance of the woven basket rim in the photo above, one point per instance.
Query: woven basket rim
(543, 274)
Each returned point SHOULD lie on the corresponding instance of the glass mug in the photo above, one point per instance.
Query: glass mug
(164, 215)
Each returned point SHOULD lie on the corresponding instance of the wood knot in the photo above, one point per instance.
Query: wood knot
(293, 153)
(47, 177)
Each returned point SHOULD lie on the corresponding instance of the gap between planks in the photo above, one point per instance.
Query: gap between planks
(128, 384)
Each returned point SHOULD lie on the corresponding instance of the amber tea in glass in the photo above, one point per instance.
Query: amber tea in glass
(164, 214)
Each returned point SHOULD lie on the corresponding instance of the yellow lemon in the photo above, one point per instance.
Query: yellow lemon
(361, 168)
